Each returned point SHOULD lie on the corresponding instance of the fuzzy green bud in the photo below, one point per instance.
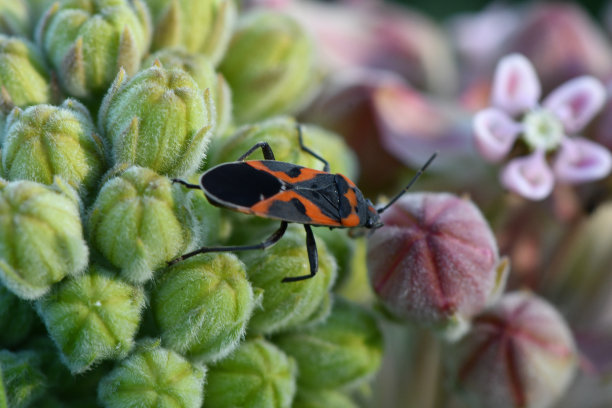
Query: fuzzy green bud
(92, 317)
(257, 374)
(202, 306)
(288, 305)
(21, 380)
(343, 351)
(16, 318)
(45, 141)
(342, 247)
(41, 238)
(199, 26)
(87, 41)
(37, 8)
(14, 18)
(158, 119)
(282, 136)
(322, 399)
(203, 73)
(136, 223)
(153, 377)
(24, 78)
(280, 57)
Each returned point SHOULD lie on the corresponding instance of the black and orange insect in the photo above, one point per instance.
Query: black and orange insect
(289, 193)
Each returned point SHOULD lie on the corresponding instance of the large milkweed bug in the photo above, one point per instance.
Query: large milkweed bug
(290, 193)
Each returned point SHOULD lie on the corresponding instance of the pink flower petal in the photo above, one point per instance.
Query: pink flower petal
(579, 160)
(494, 133)
(516, 87)
(529, 176)
(576, 102)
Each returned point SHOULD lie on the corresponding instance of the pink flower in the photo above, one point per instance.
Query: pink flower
(545, 129)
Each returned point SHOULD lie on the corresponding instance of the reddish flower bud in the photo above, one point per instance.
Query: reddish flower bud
(435, 261)
(518, 354)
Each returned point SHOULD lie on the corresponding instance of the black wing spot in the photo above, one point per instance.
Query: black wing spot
(294, 172)
(292, 210)
(239, 184)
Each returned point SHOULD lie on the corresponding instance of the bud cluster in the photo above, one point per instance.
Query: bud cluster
(105, 103)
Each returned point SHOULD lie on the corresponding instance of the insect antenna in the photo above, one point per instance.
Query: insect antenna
(410, 183)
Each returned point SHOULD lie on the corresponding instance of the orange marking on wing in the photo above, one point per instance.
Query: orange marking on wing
(305, 173)
(312, 211)
(351, 221)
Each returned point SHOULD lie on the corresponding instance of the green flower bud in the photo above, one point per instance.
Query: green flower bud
(342, 247)
(87, 41)
(288, 305)
(198, 26)
(202, 306)
(280, 57)
(209, 227)
(37, 8)
(153, 377)
(136, 223)
(343, 351)
(45, 141)
(23, 75)
(257, 374)
(282, 135)
(203, 73)
(322, 399)
(41, 238)
(158, 119)
(59, 381)
(14, 18)
(92, 317)
(16, 318)
(21, 381)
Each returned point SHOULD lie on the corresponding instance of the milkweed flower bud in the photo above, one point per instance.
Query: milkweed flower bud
(16, 318)
(23, 383)
(23, 75)
(92, 317)
(282, 136)
(520, 353)
(322, 399)
(158, 119)
(152, 377)
(257, 374)
(203, 73)
(87, 41)
(202, 306)
(136, 223)
(45, 141)
(280, 57)
(343, 351)
(420, 261)
(14, 18)
(202, 27)
(288, 305)
(41, 238)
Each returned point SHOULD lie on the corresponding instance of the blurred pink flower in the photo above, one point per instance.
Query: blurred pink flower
(377, 35)
(562, 41)
(543, 128)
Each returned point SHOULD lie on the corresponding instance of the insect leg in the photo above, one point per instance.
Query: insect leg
(265, 149)
(186, 184)
(313, 257)
(272, 239)
(307, 150)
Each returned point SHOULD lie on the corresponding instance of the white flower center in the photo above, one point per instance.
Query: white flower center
(542, 130)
